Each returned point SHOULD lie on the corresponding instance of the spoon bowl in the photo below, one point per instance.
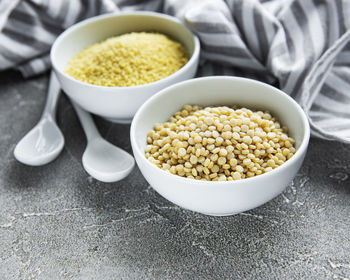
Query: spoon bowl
(102, 160)
(40, 145)
(44, 141)
(106, 162)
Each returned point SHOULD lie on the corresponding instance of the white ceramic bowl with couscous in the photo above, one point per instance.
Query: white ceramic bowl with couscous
(119, 104)
(216, 197)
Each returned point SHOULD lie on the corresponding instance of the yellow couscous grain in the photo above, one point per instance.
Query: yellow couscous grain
(127, 60)
(219, 143)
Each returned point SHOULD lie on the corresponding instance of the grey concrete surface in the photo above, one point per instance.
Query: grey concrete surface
(56, 222)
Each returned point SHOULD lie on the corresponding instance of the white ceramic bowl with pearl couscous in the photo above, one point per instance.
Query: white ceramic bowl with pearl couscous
(114, 103)
(221, 198)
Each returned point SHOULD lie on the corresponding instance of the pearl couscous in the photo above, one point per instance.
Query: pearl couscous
(219, 143)
(127, 60)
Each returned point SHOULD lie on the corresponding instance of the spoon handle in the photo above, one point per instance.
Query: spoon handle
(87, 122)
(52, 97)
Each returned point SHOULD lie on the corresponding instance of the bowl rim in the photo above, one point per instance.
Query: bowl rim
(299, 154)
(190, 62)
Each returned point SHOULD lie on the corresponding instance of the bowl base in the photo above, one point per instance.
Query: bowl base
(219, 214)
(116, 120)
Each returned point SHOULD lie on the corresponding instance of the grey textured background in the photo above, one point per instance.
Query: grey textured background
(56, 222)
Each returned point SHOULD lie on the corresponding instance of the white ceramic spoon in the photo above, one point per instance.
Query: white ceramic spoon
(45, 141)
(102, 160)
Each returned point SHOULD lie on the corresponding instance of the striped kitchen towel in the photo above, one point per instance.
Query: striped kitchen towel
(301, 46)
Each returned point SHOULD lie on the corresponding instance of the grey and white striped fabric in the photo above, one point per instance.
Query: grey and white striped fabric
(301, 46)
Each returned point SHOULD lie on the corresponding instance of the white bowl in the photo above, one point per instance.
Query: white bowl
(229, 197)
(119, 103)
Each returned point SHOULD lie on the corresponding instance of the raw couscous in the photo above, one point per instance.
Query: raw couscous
(127, 60)
(219, 143)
